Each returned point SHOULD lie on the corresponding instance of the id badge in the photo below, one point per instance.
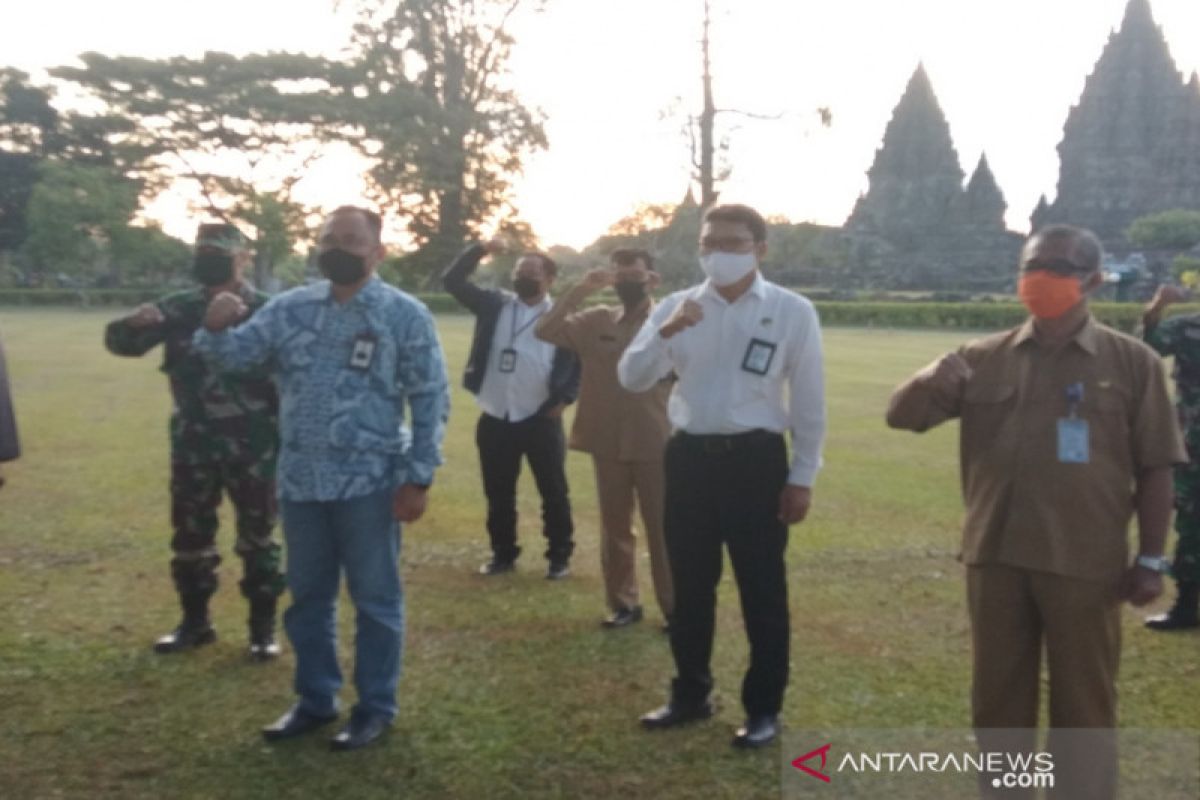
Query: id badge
(363, 352)
(758, 356)
(508, 360)
(1073, 441)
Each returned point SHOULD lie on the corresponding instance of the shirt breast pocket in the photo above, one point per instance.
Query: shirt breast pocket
(1109, 412)
(986, 413)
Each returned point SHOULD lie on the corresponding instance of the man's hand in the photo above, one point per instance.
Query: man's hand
(555, 411)
(687, 314)
(597, 279)
(1166, 295)
(1140, 586)
(223, 311)
(794, 502)
(145, 316)
(495, 246)
(948, 374)
(408, 503)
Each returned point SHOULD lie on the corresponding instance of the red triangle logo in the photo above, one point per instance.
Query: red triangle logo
(823, 752)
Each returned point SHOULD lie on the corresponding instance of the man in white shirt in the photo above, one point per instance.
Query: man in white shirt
(522, 385)
(736, 343)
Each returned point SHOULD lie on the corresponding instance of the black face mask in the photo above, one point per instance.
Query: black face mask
(632, 293)
(527, 288)
(342, 267)
(212, 269)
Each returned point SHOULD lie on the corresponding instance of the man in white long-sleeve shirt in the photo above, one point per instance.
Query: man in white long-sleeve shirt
(747, 354)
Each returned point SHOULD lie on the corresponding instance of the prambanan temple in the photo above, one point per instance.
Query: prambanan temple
(1130, 147)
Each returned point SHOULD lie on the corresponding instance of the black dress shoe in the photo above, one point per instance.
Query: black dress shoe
(1172, 622)
(1184, 614)
(759, 731)
(497, 566)
(362, 729)
(622, 617)
(296, 722)
(186, 637)
(558, 570)
(674, 714)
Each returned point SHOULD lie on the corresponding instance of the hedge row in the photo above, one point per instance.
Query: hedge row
(77, 297)
(127, 298)
(970, 316)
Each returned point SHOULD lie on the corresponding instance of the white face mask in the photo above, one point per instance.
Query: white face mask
(724, 268)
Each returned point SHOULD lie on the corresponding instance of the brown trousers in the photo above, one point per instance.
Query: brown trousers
(616, 484)
(1013, 613)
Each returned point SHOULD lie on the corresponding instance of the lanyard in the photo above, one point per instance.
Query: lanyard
(1074, 398)
(512, 339)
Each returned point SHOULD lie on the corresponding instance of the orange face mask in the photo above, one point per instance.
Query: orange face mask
(1048, 296)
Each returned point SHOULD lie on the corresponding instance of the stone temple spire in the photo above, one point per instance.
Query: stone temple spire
(1117, 136)
(916, 180)
(984, 202)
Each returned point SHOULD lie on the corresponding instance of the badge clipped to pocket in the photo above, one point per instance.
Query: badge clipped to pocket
(758, 356)
(363, 352)
(508, 360)
(1073, 431)
(1073, 441)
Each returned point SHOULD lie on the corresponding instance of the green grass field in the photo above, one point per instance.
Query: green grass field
(511, 689)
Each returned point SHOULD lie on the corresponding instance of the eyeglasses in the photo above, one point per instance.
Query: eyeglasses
(1059, 266)
(727, 244)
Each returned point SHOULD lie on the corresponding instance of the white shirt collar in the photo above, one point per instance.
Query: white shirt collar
(758, 288)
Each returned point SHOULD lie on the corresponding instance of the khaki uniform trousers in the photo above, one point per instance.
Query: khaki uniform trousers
(1014, 612)
(616, 484)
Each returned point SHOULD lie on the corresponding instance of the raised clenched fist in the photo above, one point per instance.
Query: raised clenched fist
(144, 316)
(687, 314)
(224, 310)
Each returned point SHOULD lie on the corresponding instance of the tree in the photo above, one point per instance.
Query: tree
(1177, 229)
(75, 214)
(444, 132)
(243, 130)
(706, 149)
(147, 256)
(27, 122)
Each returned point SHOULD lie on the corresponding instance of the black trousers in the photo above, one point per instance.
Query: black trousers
(501, 445)
(725, 490)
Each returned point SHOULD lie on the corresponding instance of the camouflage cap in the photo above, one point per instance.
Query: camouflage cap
(220, 235)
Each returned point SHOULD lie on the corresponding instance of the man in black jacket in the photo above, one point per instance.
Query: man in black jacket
(10, 449)
(522, 385)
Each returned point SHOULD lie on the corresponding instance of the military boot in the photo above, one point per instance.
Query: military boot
(263, 646)
(1183, 615)
(194, 631)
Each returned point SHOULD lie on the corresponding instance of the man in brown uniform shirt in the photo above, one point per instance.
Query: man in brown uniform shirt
(626, 433)
(1067, 429)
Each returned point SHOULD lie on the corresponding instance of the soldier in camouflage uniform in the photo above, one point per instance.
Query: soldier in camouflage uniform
(1180, 337)
(223, 437)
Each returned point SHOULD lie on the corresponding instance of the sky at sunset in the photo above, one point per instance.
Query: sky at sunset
(617, 77)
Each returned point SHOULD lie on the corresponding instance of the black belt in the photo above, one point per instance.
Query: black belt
(726, 442)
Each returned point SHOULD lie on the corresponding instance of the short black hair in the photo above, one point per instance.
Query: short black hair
(628, 256)
(744, 215)
(549, 266)
(373, 218)
(1086, 246)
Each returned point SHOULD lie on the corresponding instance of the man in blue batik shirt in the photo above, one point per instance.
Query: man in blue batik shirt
(348, 353)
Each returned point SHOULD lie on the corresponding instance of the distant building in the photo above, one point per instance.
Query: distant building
(1131, 146)
(918, 226)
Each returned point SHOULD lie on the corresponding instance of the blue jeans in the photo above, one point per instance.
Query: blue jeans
(361, 536)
